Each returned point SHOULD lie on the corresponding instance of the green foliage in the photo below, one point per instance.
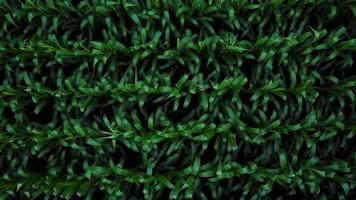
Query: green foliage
(158, 99)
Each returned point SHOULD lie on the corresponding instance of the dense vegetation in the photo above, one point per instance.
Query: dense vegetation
(158, 99)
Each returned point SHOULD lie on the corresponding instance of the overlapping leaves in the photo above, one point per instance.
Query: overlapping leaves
(177, 99)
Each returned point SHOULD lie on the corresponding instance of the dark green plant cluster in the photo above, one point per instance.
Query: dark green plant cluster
(159, 99)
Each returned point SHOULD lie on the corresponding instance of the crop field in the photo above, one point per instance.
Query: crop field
(177, 99)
